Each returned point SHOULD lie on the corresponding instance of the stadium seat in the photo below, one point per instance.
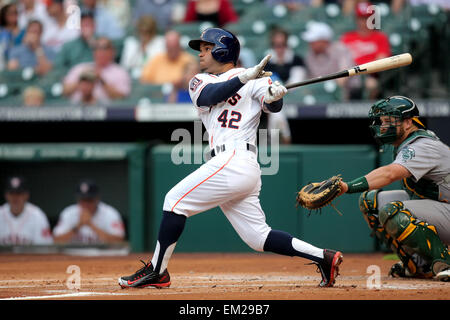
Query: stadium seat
(317, 93)
(153, 92)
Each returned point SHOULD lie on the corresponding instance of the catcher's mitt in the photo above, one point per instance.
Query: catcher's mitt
(316, 195)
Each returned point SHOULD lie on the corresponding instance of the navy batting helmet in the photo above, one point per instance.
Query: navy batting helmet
(226, 45)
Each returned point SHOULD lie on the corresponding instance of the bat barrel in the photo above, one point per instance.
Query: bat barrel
(397, 61)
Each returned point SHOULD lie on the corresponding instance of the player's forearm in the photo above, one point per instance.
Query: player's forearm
(104, 236)
(386, 175)
(64, 238)
(215, 93)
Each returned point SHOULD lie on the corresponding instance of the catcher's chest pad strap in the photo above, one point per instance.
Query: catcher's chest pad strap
(414, 136)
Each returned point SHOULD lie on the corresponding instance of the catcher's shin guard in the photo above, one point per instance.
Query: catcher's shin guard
(368, 204)
(413, 236)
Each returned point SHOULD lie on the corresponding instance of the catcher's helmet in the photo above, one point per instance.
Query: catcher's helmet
(396, 107)
(226, 45)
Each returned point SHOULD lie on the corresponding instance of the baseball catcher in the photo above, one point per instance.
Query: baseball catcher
(413, 222)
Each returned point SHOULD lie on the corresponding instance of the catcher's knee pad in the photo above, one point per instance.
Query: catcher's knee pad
(368, 205)
(412, 236)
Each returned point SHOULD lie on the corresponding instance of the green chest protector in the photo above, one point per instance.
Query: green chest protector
(424, 188)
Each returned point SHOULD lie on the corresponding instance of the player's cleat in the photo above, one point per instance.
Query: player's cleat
(444, 275)
(146, 277)
(398, 270)
(329, 267)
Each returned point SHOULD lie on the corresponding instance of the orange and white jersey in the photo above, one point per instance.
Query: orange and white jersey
(31, 227)
(234, 120)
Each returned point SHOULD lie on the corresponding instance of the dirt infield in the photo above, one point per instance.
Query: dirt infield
(209, 277)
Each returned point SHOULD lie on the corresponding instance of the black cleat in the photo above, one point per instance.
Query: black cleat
(329, 267)
(146, 277)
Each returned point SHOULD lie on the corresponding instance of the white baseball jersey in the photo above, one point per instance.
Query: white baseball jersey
(105, 218)
(232, 178)
(31, 227)
(237, 119)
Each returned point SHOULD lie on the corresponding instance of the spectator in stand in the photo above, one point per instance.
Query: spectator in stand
(31, 10)
(180, 90)
(137, 51)
(218, 12)
(57, 28)
(10, 33)
(119, 9)
(168, 67)
(33, 97)
(398, 5)
(278, 121)
(32, 53)
(21, 222)
(86, 86)
(90, 220)
(367, 44)
(112, 81)
(294, 5)
(106, 24)
(162, 11)
(285, 63)
(326, 56)
(81, 49)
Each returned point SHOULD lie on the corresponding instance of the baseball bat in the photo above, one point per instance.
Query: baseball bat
(393, 62)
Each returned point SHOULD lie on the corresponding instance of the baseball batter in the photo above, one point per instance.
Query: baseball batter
(414, 222)
(21, 222)
(229, 101)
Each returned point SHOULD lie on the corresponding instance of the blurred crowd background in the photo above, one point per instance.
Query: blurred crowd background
(116, 52)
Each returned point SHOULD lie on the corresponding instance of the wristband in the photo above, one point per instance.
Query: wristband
(358, 185)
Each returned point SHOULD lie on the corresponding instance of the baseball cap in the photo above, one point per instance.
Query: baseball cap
(88, 75)
(16, 184)
(317, 31)
(87, 13)
(50, 2)
(361, 9)
(87, 189)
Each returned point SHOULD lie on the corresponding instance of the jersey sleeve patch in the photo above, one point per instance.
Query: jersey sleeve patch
(195, 83)
(407, 153)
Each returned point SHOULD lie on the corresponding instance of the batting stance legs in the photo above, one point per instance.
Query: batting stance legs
(231, 180)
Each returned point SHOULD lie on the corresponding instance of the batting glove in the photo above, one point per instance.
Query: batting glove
(275, 92)
(256, 71)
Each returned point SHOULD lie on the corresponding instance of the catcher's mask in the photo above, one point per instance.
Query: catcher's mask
(394, 110)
